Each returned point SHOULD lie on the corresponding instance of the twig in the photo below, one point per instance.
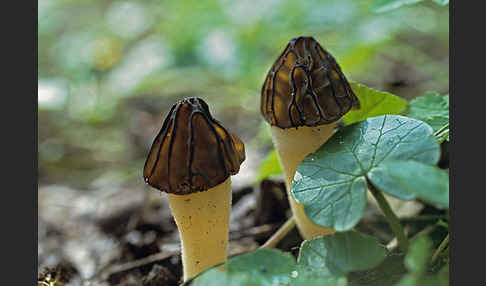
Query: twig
(439, 250)
(390, 217)
(252, 231)
(137, 263)
(280, 234)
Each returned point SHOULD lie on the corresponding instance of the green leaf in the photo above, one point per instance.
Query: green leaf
(431, 108)
(306, 278)
(217, 277)
(443, 274)
(429, 183)
(390, 271)
(429, 104)
(260, 267)
(442, 2)
(269, 166)
(340, 253)
(410, 280)
(416, 261)
(418, 255)
(331, 183)
(381, 6)
(373, 103)
(326, 260)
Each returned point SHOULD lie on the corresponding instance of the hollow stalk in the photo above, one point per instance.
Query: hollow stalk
(203, 222)
(292, 146)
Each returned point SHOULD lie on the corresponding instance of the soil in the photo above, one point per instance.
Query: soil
(131, 238)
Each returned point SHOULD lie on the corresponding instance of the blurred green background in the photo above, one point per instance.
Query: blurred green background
(110, 70)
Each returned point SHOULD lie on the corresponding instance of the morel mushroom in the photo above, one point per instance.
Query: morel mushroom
(192, 159)
(304, 95)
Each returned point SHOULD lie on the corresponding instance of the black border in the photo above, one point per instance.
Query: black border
(466, 80)
(19, 139)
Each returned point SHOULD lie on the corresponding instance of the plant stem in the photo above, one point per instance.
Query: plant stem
(390, 217)
(439, 250)
(443, 128)
(441, 133)
(280, 234)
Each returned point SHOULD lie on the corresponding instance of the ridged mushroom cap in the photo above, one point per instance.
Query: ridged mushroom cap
(305, 87)
(192, 152)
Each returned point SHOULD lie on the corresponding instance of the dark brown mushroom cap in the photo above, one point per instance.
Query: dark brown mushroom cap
(305, 87)
(192, 152)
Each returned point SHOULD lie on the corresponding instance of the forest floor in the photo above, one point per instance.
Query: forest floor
(128, 237)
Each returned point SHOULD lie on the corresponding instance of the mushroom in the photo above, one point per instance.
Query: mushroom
(192, 159)
(304, 95)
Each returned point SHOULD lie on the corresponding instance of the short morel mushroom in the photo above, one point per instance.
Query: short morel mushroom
(192, 159)
(304, 95)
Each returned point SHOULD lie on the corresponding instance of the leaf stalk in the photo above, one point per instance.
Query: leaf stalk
(439, 250)
(390, 217)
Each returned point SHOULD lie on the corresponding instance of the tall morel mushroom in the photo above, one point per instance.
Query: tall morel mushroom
(304, 94)
(192, 159)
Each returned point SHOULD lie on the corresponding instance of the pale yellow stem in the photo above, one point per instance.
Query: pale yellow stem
(292, 146)
(203, 222)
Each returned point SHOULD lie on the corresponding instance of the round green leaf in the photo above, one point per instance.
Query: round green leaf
(428, 182)
(431, 108)
(390, 271)
(340, 253)
(331, 183)
(217, 277)
(306, 278)
(260, 267)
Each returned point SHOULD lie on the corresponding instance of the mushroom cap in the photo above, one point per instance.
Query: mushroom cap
(192, 152)
(305, 87)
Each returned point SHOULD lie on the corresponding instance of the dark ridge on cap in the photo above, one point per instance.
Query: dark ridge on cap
(305, 87)
(192, 152)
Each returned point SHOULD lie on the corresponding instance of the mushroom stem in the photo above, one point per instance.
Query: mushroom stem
(292, 146)
(203, 222)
